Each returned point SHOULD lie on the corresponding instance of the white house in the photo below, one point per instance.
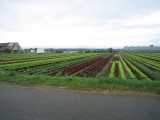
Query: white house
(32, 51)
(70, 51)
(40, 50)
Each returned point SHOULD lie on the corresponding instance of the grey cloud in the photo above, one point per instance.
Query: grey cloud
(104, 9)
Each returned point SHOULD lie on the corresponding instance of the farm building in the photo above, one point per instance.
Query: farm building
(12, 47)
(70, 51)
(40, 50)
(150, 48)
(32, 51)
(36, 50)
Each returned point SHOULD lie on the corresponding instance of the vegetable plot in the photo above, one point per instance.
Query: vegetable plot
(126, 66)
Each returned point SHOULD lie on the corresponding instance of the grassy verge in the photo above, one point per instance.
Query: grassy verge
(82, 83)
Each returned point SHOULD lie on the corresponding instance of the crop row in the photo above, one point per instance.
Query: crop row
(139, 67)
(150, 73)
(117, 69)
(78, 67)
(135, 70)
(150, 64)
(10, 57)
(148, 59)
(52, 68)
(41, 62)
(148, 56)
(121, 66)
(94, 69)
(127, 70)
(33, 59)
(61, 66)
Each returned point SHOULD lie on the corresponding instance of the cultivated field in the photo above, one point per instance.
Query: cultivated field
(127, 66)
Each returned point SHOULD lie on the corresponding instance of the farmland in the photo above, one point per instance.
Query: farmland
(124, 67)
(121, 66)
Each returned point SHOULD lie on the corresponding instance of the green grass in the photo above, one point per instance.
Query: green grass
(79, 83)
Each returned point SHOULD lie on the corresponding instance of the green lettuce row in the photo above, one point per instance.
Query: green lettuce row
(131, 75)
(31, 59)
(150, 73)
(55, 67)
(151, 62)
(147, 59)
(111, 73)
(122, 74)
(10, 57)
(41, 62)
(150, 55)
(148, 64)
(142, 75)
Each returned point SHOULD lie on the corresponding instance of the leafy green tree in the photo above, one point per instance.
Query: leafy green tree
(110, 50)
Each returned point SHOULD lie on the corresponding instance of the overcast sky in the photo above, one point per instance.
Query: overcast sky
(80, 23)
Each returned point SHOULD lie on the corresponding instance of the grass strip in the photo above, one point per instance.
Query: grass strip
(80, 83)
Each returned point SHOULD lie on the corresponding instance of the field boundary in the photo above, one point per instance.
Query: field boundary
(98, 91)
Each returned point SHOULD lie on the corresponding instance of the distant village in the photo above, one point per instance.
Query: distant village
(14, 47)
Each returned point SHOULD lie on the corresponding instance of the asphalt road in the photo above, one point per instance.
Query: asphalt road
(24, 103)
